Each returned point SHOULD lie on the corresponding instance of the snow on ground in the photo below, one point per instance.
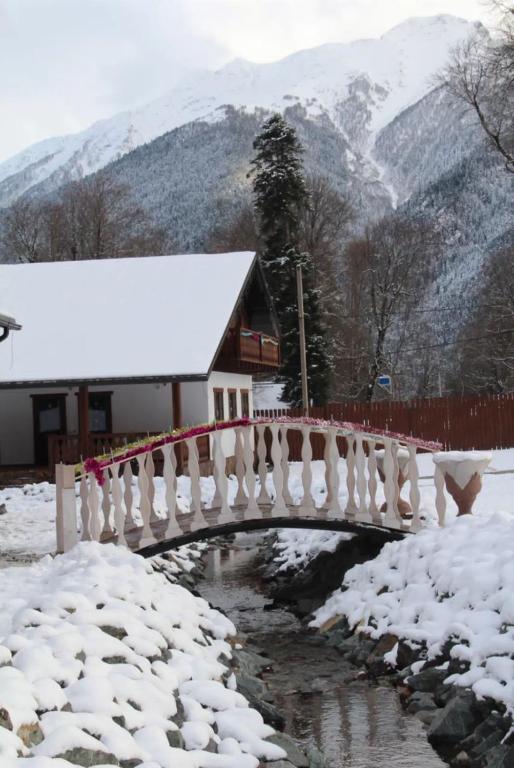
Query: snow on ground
(28, 525)
(456, 584)
(100, 652)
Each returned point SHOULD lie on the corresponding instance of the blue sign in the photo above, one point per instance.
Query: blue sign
(384, 381)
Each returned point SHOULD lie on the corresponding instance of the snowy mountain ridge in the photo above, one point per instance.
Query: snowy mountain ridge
(360, 86)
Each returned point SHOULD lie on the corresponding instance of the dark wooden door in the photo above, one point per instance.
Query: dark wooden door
(49, 419)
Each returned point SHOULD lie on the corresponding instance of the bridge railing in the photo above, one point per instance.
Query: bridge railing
(117, 492)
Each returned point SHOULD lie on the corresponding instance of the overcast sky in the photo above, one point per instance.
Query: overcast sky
(67, 63)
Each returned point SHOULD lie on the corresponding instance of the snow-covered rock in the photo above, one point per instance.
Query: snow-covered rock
(452, 584)
(102, 656)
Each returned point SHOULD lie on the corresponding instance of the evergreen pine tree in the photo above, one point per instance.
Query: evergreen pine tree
(279, 194)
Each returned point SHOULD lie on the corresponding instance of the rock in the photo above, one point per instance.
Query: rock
(5, 720)
(426, 716)
(294, 753)
(461, 760)
(118, 632)
(280, 764)
(31, 734)
(375, 661)
(420, 701)
(250, 663)
(3, 509)
(251, 686)
(175, 739)
(130, 763)
(427, 680)
(269, 713)
(88, 757)
(337, 622)
(316, 758)
(500, 757)
(455, 722)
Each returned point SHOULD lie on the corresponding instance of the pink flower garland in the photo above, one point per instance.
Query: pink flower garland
(97, 465)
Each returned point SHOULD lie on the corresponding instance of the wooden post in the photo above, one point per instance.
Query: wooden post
(176, 396)
(303, 353)
(83, 407)
(66, 520)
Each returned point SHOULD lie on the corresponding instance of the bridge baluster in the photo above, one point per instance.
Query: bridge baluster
(279, 508)
(128, 496)
(220, 479)
(107, 531)
(170, 481)
(193, 464)
(363, 514)
(284, 445)
(93, 503)
(241, 497)
(372, 484)
(119, 513)
(351, 506)
(263, 497)
(150, 472)
(440, 498)
(147, 536)
(85, 512)
(390, 483)
(252, 508)
(331, 454)
(307, 506)
(414, 489)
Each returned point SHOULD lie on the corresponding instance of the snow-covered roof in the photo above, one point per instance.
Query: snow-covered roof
(155, 317)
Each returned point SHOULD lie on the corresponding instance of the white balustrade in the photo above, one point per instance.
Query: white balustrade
(119, 512)
(107, 500)
(279, 508)
(145, 506)
(351, 506)
(220, 500)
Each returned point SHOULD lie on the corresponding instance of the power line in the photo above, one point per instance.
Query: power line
(442, 343)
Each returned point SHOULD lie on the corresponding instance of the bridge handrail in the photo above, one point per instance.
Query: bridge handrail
(343, 428)
(108, 510)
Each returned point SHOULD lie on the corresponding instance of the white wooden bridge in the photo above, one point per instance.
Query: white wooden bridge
(116, 499)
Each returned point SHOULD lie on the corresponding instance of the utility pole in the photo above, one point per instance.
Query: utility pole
(303, 352)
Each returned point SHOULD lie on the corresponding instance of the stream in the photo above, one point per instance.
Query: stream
(353, 723)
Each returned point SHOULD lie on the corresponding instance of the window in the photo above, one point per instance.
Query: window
(219, 407)
(232, 404)
(245, 403)
(100, 412)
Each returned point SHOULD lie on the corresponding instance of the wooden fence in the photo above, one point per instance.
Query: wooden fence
(459, 423)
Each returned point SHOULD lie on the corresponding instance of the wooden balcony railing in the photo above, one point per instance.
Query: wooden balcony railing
(243, 345)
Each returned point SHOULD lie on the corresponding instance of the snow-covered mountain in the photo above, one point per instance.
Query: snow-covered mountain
(361, 87)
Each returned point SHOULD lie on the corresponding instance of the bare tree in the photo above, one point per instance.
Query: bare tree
(481, 75)
(384, 278)
(24, 231)
(90, 219)
(486, 345)
(238, 234)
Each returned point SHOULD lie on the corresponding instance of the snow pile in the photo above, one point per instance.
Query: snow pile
(454, 584)
(98, 652)
(296, 547)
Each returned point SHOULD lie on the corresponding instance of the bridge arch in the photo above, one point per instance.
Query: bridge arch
(123, 500)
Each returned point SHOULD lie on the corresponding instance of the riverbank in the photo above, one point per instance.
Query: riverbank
(432, 615)
(106, 660)
(353, 723)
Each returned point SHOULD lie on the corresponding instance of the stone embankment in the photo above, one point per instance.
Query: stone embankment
(466, 732)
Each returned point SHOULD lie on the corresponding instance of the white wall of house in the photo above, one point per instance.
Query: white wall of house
(195, 403)
(135, 408)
